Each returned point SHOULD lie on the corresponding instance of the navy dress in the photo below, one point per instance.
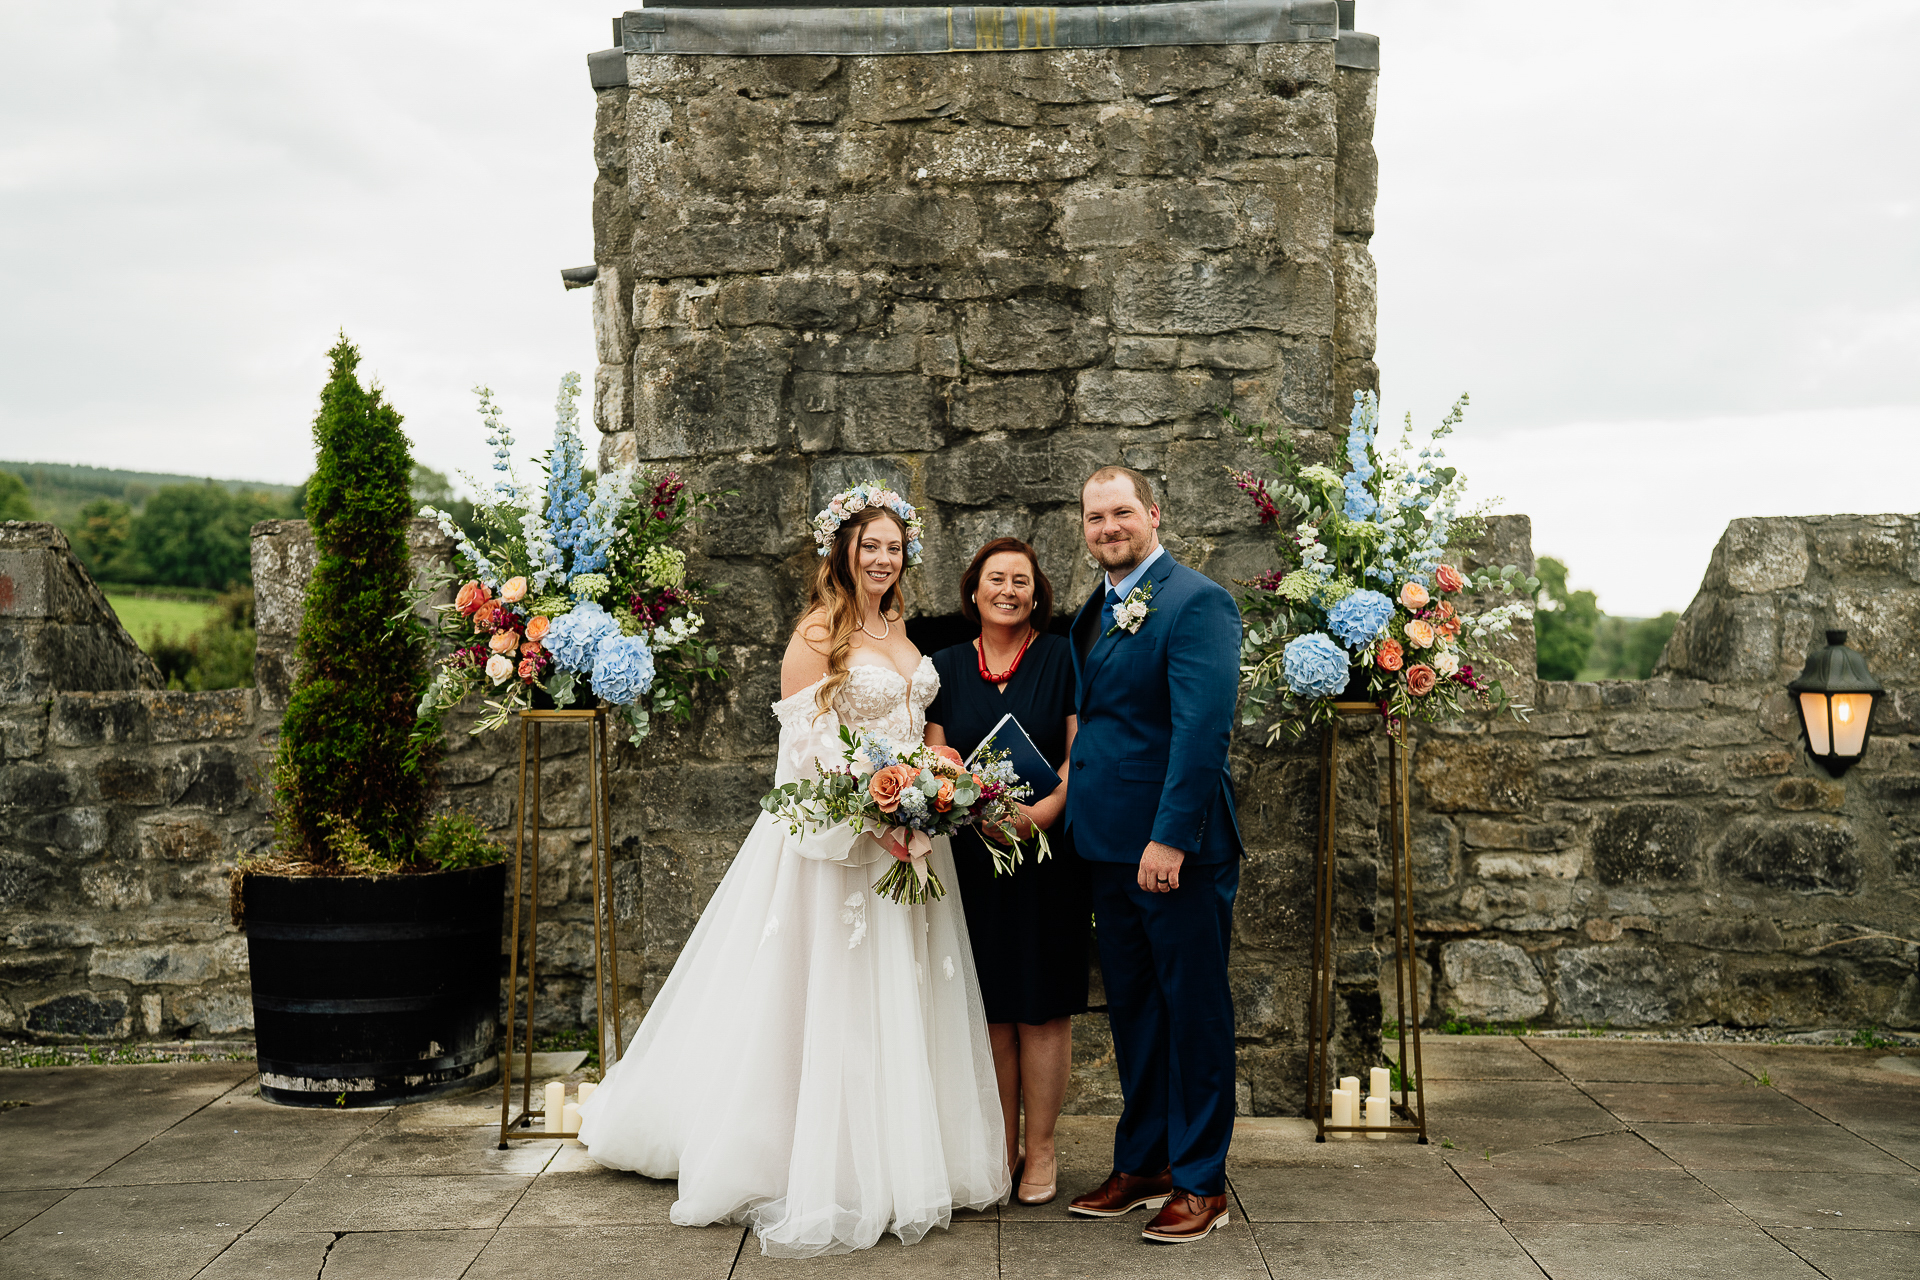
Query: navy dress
(1029, 929)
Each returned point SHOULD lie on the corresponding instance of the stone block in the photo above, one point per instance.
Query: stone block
(1048, 469)
(888, 415)
(215, 1011)
(1024, 403)
(169, 964)
(857, 353)
(1140, 142)
(1761, 555)
(1798, 795)
(990, 153)
(24, 882)
(1162, 69)
(1905, 856)
(1496, 981)
(1751, 933)
(1647, 842)
(705, 245)
(1030, 333)
(1303, 125)
(1178, 217)
(902, 229)
(81, 1015)
(1221, 295)
(200, 717)
(1126, 398)
(1801, 855)
(83, 830)
(1622, 778)
(1621, 986)
(1279, 65)
(702, 393)
(1133, 352)
(36, 786)
(1357, 180)
(116, 888)
(1487, 777)
(817, 301)
(99, 719)
(283, 557)
(1760, 764)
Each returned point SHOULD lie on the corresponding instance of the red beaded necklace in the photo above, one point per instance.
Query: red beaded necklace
(1003, 676)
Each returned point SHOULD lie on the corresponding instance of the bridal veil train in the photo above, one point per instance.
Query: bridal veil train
(816, 1065)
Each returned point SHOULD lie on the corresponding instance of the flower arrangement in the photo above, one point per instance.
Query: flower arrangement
(905, 798)
(1368, 595)
(570, 587)
(858, 499)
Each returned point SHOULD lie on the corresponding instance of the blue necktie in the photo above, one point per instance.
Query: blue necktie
(1106, 611)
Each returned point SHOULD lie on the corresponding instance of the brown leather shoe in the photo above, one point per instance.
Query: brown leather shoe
(1187, 1217)
(1123, 1193)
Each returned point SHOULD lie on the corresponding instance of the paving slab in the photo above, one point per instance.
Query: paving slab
(145, 1254)
(1744, 1103)
(1085, 1148)
(1822, 1148)
(1477, 1058)
(1852, 1255)
(210, 1208)
(1809, 1064)
(1427, 1251)
(82, 1119)
(1901, 1141)
(1586, 1060)
(1114, 1250)
(425, 1203)
(241, 1137)
(1651, 1196)
(1281, 1141)
(1513, 1114)
(276, 1255)
(18, 1207)
(630, 1253)
(595, 1198)
(968, 1251)
(1622, 1150)
(1357, 1195)
(1582, 1251)
(1850, 1201)
(404, 1255)
(1864, 1103)
(386, 1148)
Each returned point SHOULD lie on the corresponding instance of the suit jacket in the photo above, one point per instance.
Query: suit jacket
(1156, 711)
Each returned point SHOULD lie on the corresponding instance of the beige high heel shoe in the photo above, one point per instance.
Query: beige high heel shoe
(1036, 1192)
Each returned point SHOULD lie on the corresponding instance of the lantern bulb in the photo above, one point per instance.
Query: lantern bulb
(1843, 710)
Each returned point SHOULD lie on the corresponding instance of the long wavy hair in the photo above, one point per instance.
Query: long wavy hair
(835, 594)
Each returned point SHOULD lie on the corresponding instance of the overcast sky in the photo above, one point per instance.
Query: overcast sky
(1671, 250)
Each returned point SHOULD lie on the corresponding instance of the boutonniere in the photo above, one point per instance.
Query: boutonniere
(1131, 612)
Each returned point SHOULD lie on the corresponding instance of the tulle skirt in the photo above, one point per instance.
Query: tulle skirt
(816, 1065)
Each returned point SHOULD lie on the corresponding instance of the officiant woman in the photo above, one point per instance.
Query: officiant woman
(1029, 929)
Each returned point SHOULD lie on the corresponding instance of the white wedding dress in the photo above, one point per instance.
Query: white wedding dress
(816, 1065)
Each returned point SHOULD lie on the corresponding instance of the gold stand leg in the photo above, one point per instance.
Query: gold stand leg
(1320, 995)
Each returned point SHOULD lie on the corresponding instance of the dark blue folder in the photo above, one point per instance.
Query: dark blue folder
(1028, 764)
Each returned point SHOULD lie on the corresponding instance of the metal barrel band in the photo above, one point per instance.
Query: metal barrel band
(606, 959)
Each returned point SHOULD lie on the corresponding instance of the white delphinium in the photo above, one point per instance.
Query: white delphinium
(482, 567)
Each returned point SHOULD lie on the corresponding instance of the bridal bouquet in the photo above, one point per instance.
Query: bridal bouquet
(1367, 603)
(573, 591)
(905, 798)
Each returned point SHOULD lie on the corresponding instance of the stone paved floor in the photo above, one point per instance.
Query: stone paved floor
(1579, 1160)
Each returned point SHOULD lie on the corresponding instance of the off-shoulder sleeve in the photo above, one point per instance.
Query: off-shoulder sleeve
(807, 736)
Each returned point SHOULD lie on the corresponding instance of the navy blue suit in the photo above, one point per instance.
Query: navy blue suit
(1156, 711)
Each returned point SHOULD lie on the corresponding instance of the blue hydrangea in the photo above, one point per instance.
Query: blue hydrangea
(622, 668)
(576, 633)
(1358, 620)
(1315, 666)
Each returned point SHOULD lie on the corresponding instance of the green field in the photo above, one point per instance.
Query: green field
(143, 616)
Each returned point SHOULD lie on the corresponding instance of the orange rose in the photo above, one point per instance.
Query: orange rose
(504, 641)
(537, 626)
(948, 754)
(1449, 578)
(512, 589)
(1420, 679)
(1450, 628)
(1419, 633)
(1389, 656)
(530, 649)
(471, 597)
(1443, 610)
(886, 785)
(943, 801)
(529, 668)
(1414, 596)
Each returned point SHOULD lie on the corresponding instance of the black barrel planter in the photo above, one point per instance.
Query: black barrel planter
(372, 990)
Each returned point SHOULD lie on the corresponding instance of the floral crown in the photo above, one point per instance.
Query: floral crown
(851, 502)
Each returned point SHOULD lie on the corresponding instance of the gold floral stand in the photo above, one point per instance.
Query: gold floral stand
(1409, 1109)
(606, 958)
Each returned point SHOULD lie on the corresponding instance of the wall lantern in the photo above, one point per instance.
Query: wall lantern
(1836, 694)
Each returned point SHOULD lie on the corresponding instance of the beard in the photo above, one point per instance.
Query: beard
(1120, 553)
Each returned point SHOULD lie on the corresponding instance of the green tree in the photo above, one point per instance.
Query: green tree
(199, 535)
(103, 539)
(14, 502)
(1564, 623)
(350, 783)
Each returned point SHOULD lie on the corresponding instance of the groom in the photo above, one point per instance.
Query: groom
(1157, 654)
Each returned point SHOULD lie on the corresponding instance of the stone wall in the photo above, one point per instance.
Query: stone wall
(1663, 853)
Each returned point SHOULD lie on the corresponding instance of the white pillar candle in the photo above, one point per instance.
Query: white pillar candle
(1342, 1107)
(556, 1104)
(586, 1091)
(1377, 1117)
(570, 1114)
(1380, 1082)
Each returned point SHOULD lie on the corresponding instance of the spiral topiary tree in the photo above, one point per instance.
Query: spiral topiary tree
(351, 778)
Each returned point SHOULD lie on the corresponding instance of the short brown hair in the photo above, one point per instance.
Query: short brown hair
(1142, 487)
(1042, 589)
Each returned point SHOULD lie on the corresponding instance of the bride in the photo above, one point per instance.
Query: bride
(816, 1065)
